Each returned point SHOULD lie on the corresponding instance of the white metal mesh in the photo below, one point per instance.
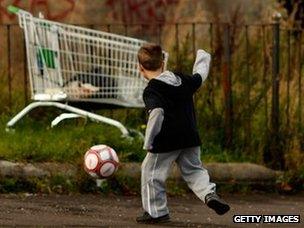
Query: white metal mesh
(74, 63)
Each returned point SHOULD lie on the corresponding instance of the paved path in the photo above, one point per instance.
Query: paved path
(100, 211)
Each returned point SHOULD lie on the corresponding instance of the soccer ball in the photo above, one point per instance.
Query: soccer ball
(101, 161)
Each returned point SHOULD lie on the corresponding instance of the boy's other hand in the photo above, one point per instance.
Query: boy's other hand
(202, 64)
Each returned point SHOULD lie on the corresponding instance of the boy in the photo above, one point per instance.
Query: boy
(172, 134)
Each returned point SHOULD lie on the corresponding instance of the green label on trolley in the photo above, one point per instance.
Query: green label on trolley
(47, 57)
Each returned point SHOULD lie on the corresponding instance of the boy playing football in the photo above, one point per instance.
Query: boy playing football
(172, 134)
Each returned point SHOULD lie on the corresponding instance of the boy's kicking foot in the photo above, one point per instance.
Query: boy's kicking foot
(216, 203)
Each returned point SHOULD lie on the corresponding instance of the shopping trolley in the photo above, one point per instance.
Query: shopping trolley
(69, 63)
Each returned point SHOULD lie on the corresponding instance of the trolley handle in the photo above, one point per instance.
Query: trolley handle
(22, 14)
(13, 9)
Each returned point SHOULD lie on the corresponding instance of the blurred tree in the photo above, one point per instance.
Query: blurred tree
(295, 11)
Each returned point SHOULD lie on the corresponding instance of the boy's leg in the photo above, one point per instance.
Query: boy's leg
(197, 179)
(194, 173)
(155, 169)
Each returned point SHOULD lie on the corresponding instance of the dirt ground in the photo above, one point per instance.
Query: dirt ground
(101, 211)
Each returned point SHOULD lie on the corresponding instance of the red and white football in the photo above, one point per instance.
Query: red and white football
(101, 161)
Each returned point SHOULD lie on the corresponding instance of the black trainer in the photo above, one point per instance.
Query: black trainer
(148, 219)
(216, 203)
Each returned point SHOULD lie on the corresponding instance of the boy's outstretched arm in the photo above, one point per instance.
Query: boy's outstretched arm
(202, 64)
(156, 118)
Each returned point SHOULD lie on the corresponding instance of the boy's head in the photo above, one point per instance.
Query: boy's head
(150, 58)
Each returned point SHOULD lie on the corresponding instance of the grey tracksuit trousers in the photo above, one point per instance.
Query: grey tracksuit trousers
(155, 169)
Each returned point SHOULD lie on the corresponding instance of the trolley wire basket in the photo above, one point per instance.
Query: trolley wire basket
(70, 63)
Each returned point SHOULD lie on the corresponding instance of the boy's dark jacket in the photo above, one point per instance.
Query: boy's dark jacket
(179, 128)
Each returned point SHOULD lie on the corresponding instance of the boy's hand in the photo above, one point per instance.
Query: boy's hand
(202, 64)
(156, 117)
(149, 149)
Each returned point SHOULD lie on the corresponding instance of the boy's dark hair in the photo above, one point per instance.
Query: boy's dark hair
(150, 56)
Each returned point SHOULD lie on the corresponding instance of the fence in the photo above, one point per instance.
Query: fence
(252, 100)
